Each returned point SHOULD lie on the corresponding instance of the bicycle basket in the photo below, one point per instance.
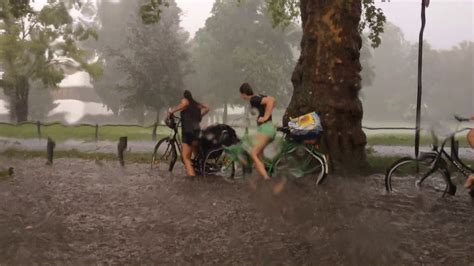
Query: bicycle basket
(216, 136)
(306, 127)
(309, 122)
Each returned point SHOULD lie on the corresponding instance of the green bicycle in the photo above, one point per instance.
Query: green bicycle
(294, 159)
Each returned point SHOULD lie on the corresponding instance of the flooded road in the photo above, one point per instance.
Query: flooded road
(86, 212)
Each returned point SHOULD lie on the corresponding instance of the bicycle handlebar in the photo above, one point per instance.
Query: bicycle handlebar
(461, 119)
(285, 130)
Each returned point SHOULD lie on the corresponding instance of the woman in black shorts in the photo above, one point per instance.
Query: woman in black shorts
(191, 114)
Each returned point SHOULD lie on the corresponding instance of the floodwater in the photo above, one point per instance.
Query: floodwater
(94, 212)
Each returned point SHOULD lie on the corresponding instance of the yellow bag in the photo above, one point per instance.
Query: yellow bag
(309, 121)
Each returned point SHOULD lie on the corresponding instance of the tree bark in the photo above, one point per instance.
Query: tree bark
(225, 113)
(140, 114)
(19, 100)
(327, 79)
(158, 110)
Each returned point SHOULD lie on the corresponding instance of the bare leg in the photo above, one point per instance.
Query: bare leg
(187, 150)
(195, 148)
(469, 182)
(470, 138)
(257, 155)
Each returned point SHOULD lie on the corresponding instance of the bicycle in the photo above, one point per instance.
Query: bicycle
(295, 159)
(167, 150)
(438, 160)
(171, 145)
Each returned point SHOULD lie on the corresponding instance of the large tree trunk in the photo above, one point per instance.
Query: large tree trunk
(327, 80)
(19, 100)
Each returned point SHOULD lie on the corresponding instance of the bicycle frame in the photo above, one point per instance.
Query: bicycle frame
(286, 147)
(174, 139)
(453, 158)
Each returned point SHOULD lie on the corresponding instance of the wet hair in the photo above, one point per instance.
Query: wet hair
(188, 96)
(246, 89)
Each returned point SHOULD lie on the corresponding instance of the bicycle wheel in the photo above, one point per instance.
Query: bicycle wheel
(219, 163)
(432, 176)
(300, 162)
(164, 155)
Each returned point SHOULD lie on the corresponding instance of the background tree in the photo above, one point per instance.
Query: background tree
(379, 97)
(42, 101)
(39, 45)
(155, 62)
(239, 44)
(447, 75)
(113, 17)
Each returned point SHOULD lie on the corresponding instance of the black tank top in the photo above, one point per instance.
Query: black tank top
(190, 118)
(256, 102)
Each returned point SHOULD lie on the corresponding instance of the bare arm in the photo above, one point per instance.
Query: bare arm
(269, 103)
(204, 109)
(472, 118)
(180, 107)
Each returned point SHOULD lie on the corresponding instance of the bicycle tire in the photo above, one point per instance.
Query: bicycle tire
(300, 165)
(221, 165)
(432, 171)
(164, 160)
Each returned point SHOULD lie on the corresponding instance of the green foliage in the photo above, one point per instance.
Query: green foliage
(151, 12)
(283, 12)
(373, 19)
(114, 18)
(39, 45)
(154, 63)
(239, 44)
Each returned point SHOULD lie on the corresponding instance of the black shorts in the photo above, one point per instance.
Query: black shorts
(190, 137)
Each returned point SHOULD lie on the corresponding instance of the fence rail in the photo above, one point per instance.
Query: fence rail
(39, 125)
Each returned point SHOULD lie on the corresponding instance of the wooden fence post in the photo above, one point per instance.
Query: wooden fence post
(96, 132)
(38, 129)
(50, 151)
(153, 134)
(121, 147)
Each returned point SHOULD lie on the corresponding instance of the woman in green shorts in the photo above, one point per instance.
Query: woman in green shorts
(266, 130)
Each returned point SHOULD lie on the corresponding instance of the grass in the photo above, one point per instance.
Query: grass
(61, 133)
(75, 154)
(408, 140)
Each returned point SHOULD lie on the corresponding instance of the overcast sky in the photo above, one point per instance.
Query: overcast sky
(448, 21)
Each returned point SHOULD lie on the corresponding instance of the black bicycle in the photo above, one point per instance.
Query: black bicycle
(430, 171)
(167, 150)
(165, 153)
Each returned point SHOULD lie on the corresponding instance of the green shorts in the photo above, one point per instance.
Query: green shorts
(267, 129)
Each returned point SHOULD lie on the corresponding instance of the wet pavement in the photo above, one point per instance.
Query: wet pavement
(94, 212)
